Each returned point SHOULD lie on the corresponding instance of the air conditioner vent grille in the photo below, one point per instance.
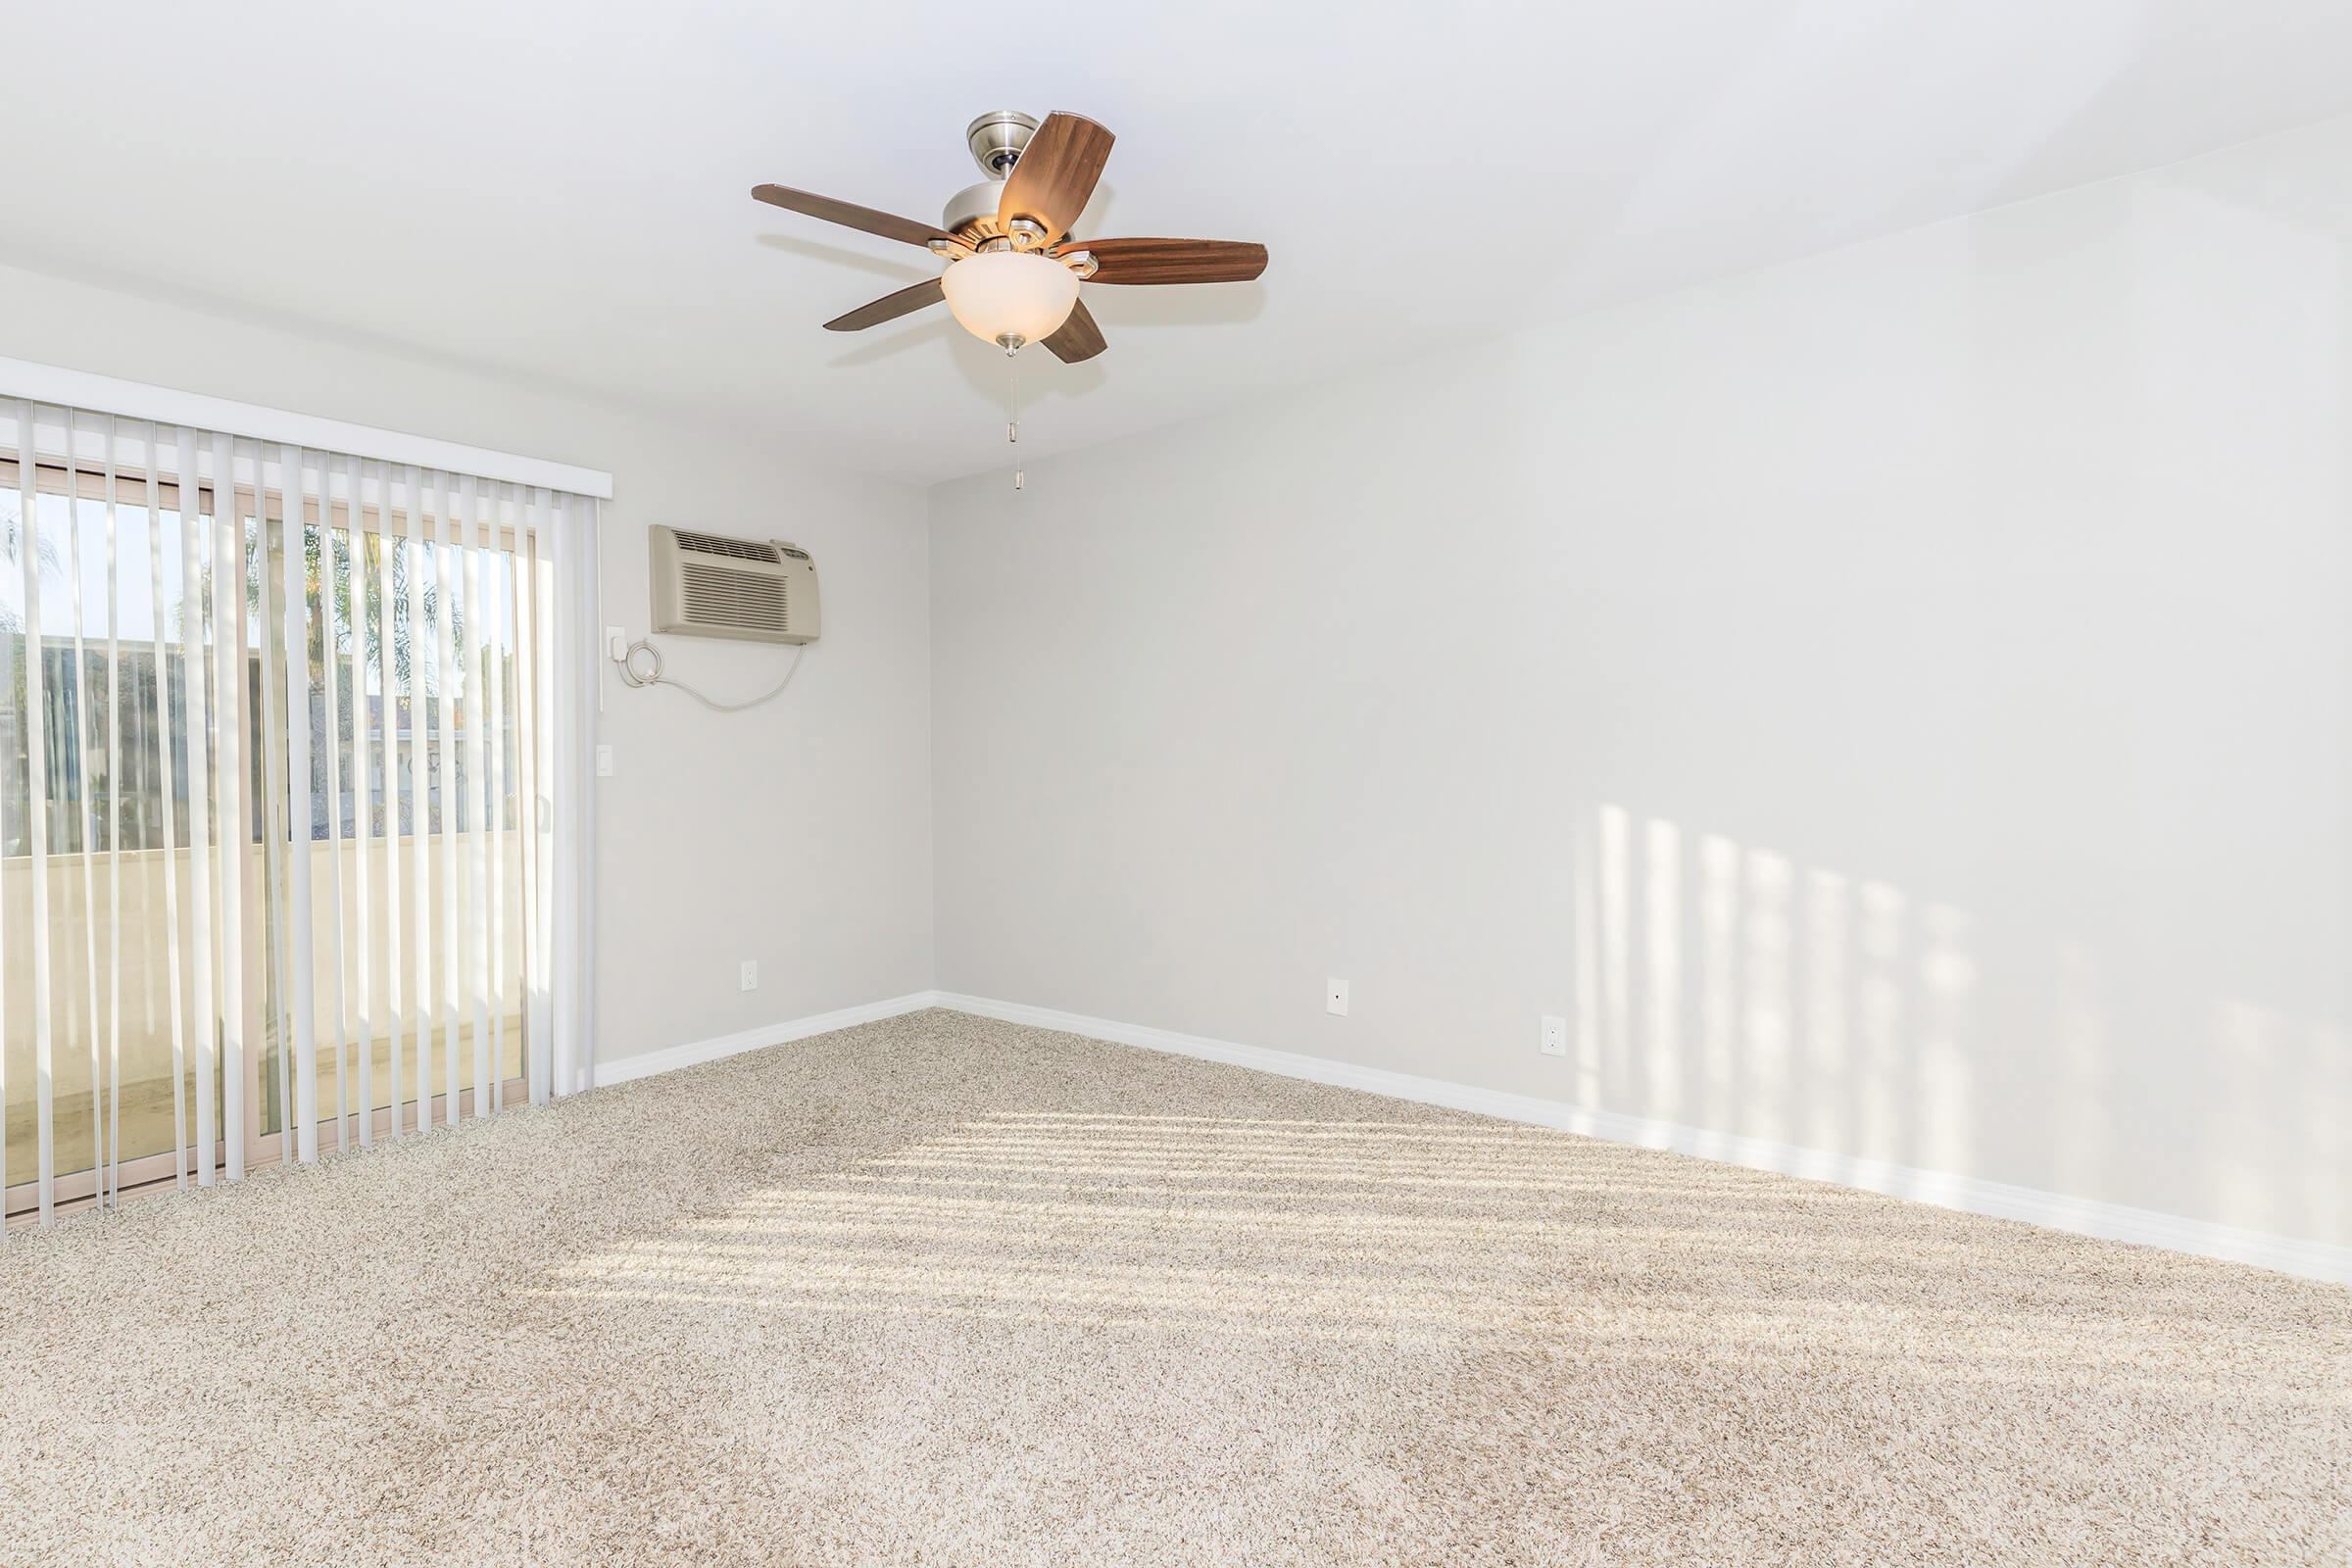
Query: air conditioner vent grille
(738, 600)
(711, 544)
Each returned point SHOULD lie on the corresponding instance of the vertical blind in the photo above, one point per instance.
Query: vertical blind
(292, 801)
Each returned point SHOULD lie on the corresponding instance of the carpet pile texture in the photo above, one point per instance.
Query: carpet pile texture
(945, 1291)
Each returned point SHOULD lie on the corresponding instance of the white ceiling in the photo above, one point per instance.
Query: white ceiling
(561, 190)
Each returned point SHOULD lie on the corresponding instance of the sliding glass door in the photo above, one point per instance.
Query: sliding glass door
(116, 669)
(275, 847)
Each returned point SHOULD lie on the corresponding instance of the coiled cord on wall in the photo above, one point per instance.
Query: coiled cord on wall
(654, 677)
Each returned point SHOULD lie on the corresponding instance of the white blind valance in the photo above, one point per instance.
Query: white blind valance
(165, 408)
(294, 798)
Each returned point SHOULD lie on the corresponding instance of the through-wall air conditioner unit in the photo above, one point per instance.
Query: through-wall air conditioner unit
(759, 591)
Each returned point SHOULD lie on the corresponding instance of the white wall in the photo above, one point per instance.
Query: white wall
(1899, 704)
(797, 834)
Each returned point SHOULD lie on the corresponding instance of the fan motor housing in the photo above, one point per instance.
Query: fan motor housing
(972, 213)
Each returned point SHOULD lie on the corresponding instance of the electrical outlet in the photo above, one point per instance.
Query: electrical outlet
(1555, 1035)
(1335, 997)
(617, 643)
(604, 762)
(751, 974)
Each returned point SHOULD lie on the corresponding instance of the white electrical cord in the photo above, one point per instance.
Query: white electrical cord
(654, 677)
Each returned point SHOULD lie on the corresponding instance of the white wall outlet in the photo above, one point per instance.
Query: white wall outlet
(1335, 997)
(617, 643)
(751, 974)
(604, 762)
(1555, 1035)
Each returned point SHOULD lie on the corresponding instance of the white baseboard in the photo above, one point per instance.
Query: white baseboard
(671, 1057)
(2319, 1260)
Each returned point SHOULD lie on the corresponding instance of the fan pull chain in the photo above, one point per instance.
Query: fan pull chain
(1013, 428)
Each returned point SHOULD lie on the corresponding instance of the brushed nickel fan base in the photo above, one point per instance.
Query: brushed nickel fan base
(997, 139)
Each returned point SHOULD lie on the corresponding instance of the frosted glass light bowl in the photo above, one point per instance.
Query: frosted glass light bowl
(1011, 298)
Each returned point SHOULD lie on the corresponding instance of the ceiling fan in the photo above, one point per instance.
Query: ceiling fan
(1013, 268)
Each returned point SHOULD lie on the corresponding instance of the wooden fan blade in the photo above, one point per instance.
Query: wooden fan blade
(1055, 176)
(848, 214)
(890, 307)
(1077, 338)
(1172, 261)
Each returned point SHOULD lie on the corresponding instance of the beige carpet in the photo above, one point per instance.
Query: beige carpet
(943, 1291)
